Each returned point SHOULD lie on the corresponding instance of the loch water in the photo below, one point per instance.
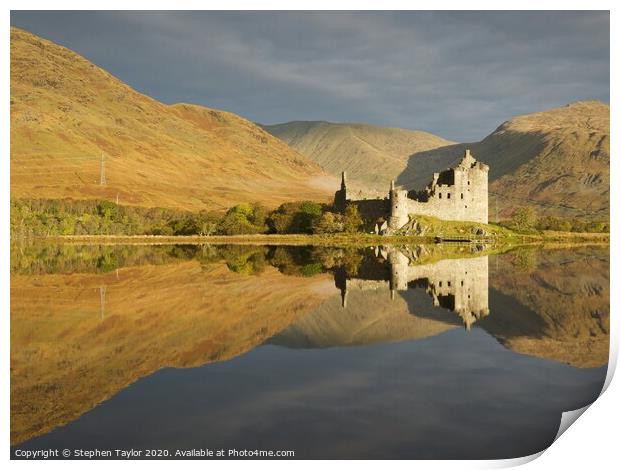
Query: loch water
(411, 352)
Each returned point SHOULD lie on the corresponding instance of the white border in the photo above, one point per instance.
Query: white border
(591, 443)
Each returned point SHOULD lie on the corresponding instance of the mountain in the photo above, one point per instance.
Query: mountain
(556, 160)
(371, 155)
(66, 113)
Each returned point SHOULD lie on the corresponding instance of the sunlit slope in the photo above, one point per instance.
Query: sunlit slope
(556, 161)
(78, 339)
(66, 113)
(371, 155)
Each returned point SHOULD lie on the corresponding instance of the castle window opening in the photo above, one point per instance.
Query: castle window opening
(448, 195)
(439, 195)
(449, 284)
(439, 283)
(461, 195)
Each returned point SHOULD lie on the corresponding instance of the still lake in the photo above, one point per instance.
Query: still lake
(432, 351)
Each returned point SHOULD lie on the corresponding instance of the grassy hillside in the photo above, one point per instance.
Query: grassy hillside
(371, 155)
(557, 161)
(66, 112)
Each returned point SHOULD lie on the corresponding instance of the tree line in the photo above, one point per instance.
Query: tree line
(526, 220)
(51, 217)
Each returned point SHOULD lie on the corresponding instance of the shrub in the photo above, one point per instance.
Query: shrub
(329, 222)
(295, 217)
(523, 219)
(242, 220)
(353, 221)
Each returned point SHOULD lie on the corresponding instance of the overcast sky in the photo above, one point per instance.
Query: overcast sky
(458, 75)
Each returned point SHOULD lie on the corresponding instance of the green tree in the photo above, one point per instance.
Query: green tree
(207, 222)
(238, 221)
(353, 221)
(295, 217)
(524, 219)
(329, 222)
(107, 209)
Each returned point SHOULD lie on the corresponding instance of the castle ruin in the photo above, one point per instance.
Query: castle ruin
(459, 193)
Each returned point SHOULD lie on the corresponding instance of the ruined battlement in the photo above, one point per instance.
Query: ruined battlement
(458, 193)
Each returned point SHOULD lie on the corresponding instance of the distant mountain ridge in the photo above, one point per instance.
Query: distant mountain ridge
(67, 115)
(556, 161)
(371, 155)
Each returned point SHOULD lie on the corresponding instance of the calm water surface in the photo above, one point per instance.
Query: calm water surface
(412, 352)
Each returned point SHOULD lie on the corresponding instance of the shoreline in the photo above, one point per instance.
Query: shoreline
(325, 240)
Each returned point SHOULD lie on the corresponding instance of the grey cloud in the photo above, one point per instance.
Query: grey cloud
(456, 74)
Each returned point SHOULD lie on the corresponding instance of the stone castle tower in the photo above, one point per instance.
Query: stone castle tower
(340, 198)
(459, 193)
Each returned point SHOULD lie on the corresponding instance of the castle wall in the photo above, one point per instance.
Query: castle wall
(465, 200)
(459, 194)
(372, 209)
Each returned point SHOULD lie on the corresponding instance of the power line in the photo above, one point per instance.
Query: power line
(102, 180)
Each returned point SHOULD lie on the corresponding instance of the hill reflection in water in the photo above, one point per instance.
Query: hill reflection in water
(88, 322)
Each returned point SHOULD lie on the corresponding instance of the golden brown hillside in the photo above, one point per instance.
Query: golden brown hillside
(371, 155)
(557, 161)
(72, 347)
(66, 112)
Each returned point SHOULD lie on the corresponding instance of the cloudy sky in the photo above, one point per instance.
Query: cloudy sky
(455, 74)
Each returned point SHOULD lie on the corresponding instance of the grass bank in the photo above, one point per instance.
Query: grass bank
(333, 240)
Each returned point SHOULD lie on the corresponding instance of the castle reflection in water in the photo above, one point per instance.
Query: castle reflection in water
(459, 285)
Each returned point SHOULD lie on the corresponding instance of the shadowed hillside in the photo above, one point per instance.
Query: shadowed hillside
(556, 161)
(371, 155)
(66, 112)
